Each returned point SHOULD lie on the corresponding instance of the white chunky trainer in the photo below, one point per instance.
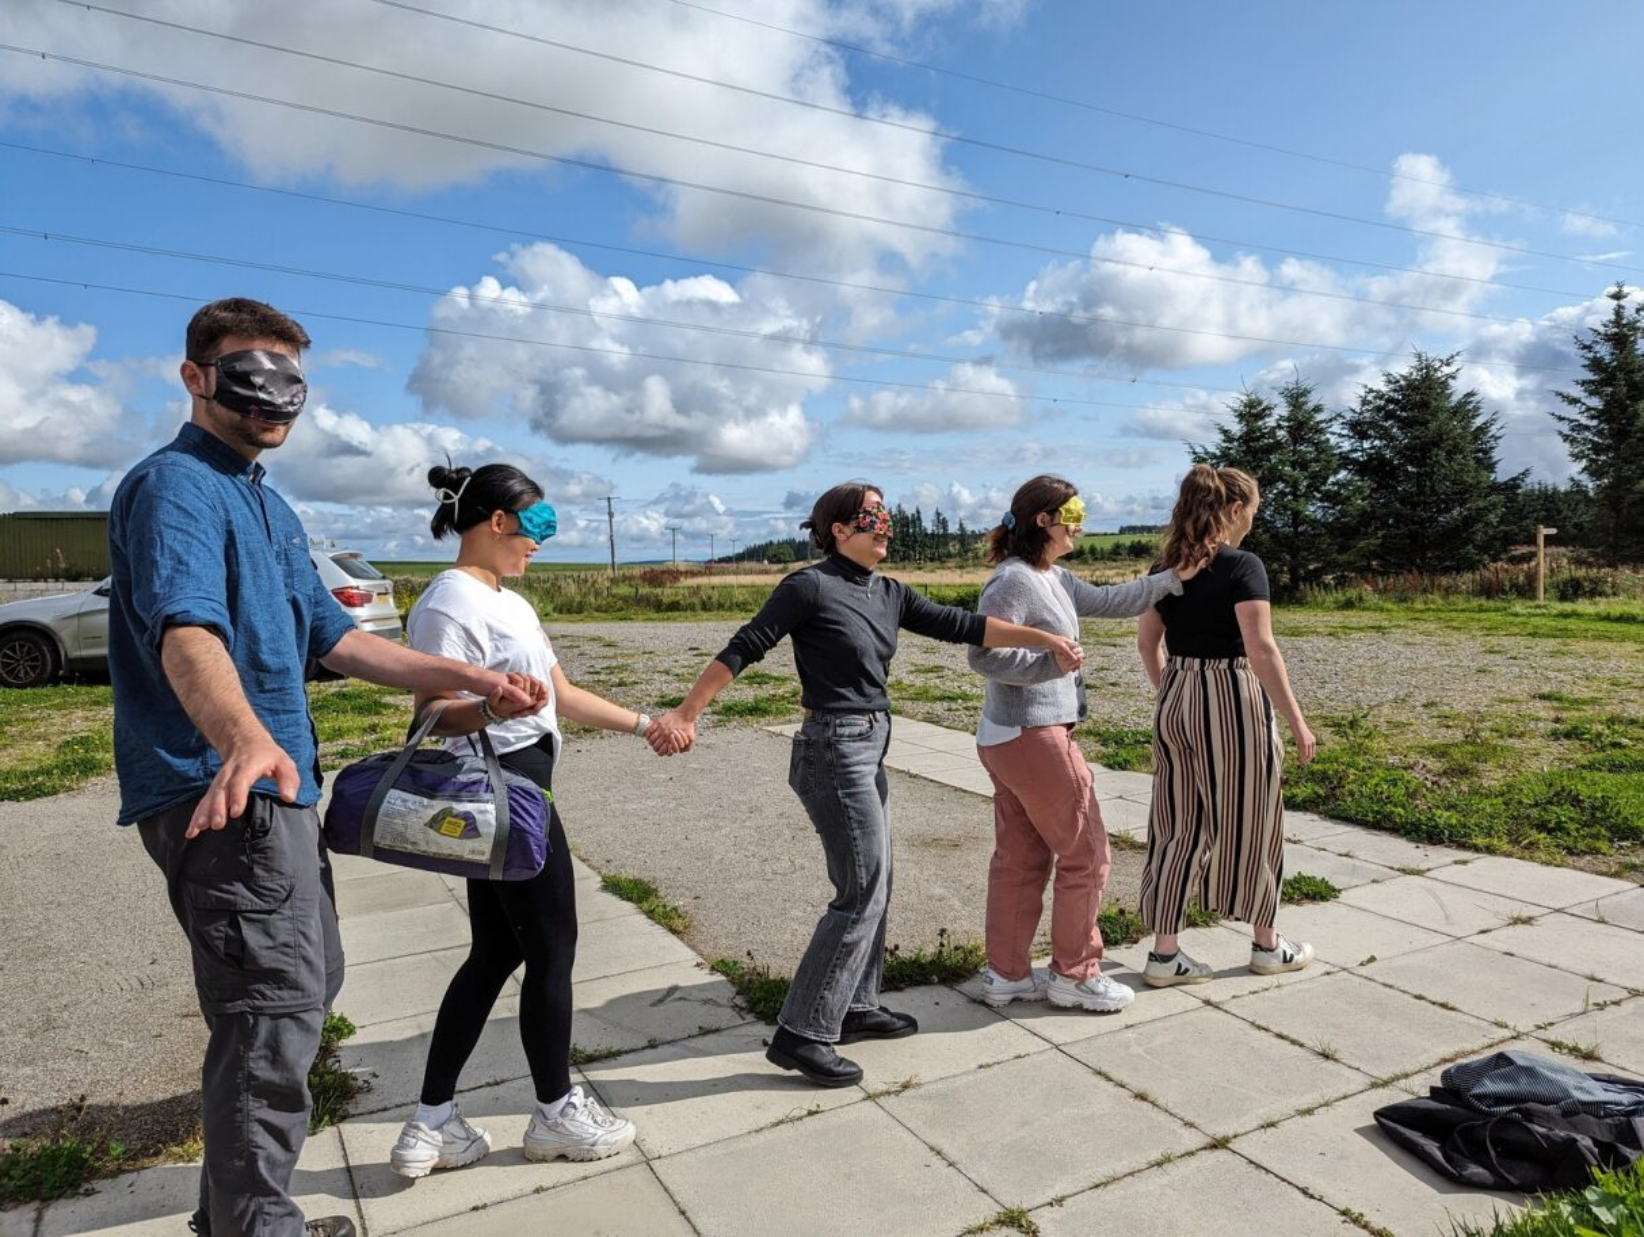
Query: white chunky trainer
(998, 991)
(582, 1131)
(421, 1149)
(1098, 993)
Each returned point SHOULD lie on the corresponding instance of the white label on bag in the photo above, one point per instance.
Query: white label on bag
(454, 829)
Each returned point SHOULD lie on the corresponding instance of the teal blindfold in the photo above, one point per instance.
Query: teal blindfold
(538, 522)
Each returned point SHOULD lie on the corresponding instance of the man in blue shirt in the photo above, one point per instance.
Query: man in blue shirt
(216, 610)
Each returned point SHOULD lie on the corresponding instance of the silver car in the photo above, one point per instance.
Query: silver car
(43, 637)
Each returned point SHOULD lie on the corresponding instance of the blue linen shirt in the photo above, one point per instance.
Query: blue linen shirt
(198, 540)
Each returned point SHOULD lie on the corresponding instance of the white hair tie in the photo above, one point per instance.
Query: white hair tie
(446, 496)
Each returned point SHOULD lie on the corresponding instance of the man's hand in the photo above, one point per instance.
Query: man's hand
(244, 764)
(671, 734)
(505, 698)
(1069, 654)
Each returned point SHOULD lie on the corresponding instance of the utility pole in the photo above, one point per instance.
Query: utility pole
(710, 547)
(734, 558)
(1542, 533)
(610, 524)
(673, 532)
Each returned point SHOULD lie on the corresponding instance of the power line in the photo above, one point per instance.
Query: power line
(695, 260)
(182, 255)
(355, 320)
(611, 169)
(957, 138)
(924, 186)
(1138, 118)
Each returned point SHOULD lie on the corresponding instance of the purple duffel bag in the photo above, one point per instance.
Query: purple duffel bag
(440, 812)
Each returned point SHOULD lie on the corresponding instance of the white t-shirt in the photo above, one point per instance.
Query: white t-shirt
(460, 618)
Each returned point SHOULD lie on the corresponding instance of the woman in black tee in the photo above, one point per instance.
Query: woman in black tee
(1217, 827)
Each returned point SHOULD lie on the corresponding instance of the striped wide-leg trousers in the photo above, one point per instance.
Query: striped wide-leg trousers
(1216, 833)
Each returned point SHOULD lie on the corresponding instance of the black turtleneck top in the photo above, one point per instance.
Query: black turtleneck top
(844, 621)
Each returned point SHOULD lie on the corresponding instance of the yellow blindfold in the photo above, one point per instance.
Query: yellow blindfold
(1072, 512)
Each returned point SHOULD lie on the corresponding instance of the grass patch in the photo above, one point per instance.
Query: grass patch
(34, 1170)
(1013, 1219)
(1120, 926)
(1198, 917)
(53, 739)
(763, 678)
(758, 707)
(932, 693)
(649, 900)
(1302, 888)
(1612, 1206)
(353, 720)
(1119, 747)
(760, 990)
(1581, 1052)
(951, 962)
(332, 1087)
(592, 1056)
(669, 702)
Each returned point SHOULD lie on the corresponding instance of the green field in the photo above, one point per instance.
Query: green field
(427, 571)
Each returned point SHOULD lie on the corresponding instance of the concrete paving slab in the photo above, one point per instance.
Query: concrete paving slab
(352, 867)
(895, 1184)
(158, 1202)
(400, 987)
(612, 946)
(659, 1004)
(974, 781)
(392, 1204)
(958, 742)
(627, 1203)
(1022, 1130)
(1492, 985)
(1625, 910)
(593, 906)
(927, 764)
(1389, 850)
(1451, 909)
(1371, 1027)
(1531, 882)
(1117, 783)
(1307, 826)
(1126, 816)
(395, 934)
(1340, 1155)
(705, 1090)
(956, 1035)
(396, 1052)
(1580, 946)
(1340, 871)
(1224, 948)
(1616, 1033)
(19, 1221)
(390, 891)
(1065, 1026)
(1217, 1071)
(1348, 936)
(1193, 1195)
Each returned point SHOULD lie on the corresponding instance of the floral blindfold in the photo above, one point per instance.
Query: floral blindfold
(875, 520)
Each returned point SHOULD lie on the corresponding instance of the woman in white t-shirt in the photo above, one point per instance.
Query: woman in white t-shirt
(465, 614)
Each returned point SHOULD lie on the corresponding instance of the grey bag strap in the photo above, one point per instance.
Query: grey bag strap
(493, 771)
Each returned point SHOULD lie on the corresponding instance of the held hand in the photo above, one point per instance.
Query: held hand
(671, 733)
(1069, 654)
(243, 765)
(1306, 744)
(504, 699)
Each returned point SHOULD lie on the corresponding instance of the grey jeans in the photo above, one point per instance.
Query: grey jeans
(257, 904)
(837, 769)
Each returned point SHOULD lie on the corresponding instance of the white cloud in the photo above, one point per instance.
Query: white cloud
(45, 415)
(337, 358)
(1584, 224)
(1194, 308)
(973, 396)
(279, 145)
(730, 420)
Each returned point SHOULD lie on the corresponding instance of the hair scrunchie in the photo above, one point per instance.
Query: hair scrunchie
(1009, 521)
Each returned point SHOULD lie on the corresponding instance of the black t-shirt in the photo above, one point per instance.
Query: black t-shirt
(1201, 622)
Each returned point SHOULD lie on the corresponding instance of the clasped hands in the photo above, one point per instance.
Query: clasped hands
(671, 734)
(517, 695)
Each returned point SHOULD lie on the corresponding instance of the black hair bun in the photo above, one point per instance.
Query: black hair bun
(444, 478)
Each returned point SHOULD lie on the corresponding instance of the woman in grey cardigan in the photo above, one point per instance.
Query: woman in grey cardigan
(1044, 814)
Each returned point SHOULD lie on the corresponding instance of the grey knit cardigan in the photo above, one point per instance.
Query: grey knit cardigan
(1025, 687)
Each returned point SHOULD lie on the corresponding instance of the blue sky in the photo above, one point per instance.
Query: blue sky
(1088, 346)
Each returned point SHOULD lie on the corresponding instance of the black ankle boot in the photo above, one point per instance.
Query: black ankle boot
(812, 1058)
(878, 1023)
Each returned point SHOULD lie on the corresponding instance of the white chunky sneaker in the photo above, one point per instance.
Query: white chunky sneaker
(1098, 993)
(1286, 955)
(998, 991)
(582, 1131)
(1177, 970)
(420, 1149)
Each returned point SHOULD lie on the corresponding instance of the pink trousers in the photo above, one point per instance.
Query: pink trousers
(1044, 817)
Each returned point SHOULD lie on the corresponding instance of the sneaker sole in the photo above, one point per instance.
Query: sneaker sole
(1174, 981)
(1089, 1007)
(461, 1159)
(1282, 968)
(579, 1154)
(1038, 994)
(783, 1061)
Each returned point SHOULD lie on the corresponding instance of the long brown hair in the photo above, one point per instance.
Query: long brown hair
(1203, 517)
(1020, 535)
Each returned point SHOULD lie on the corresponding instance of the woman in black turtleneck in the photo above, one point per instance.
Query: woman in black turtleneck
(844, 619)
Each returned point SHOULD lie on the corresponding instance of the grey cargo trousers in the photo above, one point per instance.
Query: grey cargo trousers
(257, 904)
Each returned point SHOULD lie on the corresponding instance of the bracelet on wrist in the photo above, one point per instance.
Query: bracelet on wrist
(642, 723)
(489, 715)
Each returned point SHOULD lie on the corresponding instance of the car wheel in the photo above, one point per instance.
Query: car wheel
(27, 659)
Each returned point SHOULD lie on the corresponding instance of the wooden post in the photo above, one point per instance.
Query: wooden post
(1542, 533)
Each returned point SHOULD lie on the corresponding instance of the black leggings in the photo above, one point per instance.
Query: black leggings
(532, 921)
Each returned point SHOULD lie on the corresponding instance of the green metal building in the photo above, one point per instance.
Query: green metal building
(54, 545)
